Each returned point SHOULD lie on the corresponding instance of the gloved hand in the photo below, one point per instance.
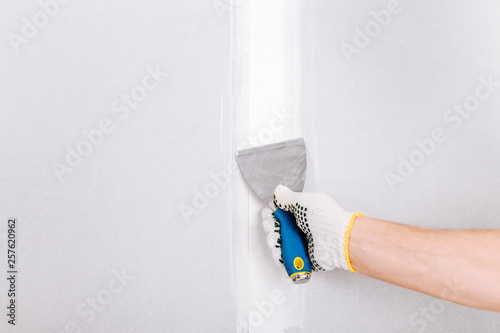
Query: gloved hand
(325, 223)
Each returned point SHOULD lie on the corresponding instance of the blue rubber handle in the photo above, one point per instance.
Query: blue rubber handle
(293, 244)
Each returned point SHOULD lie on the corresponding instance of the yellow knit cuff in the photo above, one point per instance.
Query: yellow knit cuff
(346, 242)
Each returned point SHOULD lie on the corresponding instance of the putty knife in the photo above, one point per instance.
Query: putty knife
(266, 167)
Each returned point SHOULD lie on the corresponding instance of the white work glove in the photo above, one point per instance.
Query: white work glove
(326, 225)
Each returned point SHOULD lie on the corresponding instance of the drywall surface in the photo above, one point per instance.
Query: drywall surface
(113, 119)
(384, 138)
(118, 136)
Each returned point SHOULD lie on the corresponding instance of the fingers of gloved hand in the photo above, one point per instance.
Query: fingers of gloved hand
(268, 220)
(304, 207)
(293, 202)
(273, 237)
(284, 197)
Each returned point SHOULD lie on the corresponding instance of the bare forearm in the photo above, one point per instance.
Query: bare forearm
(459, 266)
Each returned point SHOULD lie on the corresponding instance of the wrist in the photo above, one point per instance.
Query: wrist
(347, 240)
(358, 233)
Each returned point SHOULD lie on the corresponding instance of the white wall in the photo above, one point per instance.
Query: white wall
(360, 115)
(122, 240)
(119, 208)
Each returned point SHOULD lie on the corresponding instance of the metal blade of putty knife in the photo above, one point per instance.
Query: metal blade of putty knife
(266, 167)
